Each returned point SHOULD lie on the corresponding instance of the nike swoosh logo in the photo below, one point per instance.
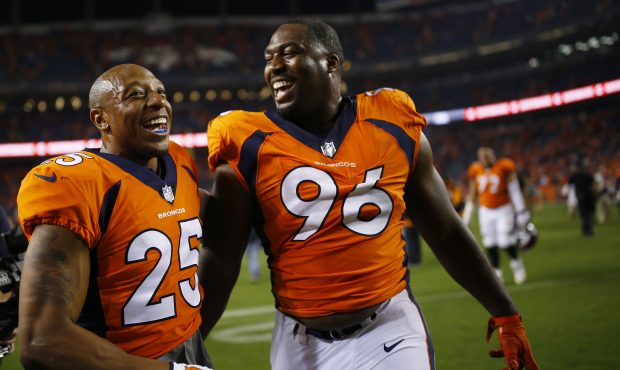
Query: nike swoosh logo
(47, 178)
(390, 348)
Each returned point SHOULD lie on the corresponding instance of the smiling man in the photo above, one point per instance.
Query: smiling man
(326, 180)
(110, 276)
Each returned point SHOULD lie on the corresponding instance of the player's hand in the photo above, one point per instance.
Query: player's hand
(515, 347)
(467, 211)
(523, 218)
(7, 345)
(177, 366)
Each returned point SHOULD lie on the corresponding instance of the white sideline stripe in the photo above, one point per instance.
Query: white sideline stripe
(251, 333)
(444, 296)
(241, 312)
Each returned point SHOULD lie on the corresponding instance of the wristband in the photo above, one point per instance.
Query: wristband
(179, 366)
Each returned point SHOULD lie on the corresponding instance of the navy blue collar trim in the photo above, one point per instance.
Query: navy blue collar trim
(145, 175)
(346, 117)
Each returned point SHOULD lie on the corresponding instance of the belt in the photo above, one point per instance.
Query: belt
(338, 334)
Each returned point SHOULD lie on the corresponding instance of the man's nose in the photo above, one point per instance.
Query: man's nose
(156, 100)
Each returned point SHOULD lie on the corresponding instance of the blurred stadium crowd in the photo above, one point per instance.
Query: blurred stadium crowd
(452, 56)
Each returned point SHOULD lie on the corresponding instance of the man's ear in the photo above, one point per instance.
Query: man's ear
(98, 119)
(333, 63)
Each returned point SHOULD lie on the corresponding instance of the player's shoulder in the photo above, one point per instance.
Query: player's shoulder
(475, 167)
(67, 173)
(384, 96)
(232, 128)
(506, 163)
(178, 153)
(391, 105)
(79, 165)
(237, 119)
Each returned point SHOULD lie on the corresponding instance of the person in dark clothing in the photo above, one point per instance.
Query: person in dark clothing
(583, 181)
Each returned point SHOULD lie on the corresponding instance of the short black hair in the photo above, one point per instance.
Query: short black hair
(322, 33)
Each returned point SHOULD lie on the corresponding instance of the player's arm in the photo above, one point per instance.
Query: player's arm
(227, 224)
(470, 201)
(52, 293)
(428, 204)
(456, 248)
(516, 198)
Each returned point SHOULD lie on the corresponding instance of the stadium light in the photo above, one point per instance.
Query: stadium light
(264, 93)
(59, 103)
(76, 102)
(42, 106)
(346, 66)
(28, 105)
(177, 97)
(469, 114)
(210, 95)
(226, 94)
(242, 94)
(194, 96)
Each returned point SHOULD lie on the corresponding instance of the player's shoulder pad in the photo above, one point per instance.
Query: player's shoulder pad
(176, 150)
(386, 94)
(389, 104)
(507, 163)
(235, 126)
(78, 164)
(233, 117)
(475, 166)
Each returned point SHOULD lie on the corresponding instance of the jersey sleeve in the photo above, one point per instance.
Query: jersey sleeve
(62, 202)
(224, 146)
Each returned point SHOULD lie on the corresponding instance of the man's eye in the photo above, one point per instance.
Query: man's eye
(136, 93)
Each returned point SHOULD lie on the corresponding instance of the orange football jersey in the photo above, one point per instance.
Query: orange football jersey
(143, 233)
(331, 208)
(491, 183)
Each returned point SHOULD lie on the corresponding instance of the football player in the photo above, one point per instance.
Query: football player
(325, 180)
(110, 274)
(502, 211)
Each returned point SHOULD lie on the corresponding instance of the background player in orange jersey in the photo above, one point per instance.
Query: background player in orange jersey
(502, 208)
(325, 180)
(110, 274)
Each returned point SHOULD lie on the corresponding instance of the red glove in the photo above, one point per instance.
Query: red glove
(515, 346)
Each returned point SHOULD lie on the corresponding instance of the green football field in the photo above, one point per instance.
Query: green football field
(570, 305)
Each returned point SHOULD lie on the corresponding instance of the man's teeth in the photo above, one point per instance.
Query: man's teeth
(281, 84)
(155, 121)
(157, 125)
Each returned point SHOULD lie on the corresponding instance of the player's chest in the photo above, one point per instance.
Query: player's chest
(289, 171)
(140, 209)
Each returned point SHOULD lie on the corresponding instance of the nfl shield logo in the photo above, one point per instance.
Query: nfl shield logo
(168, 194)
(328, 149)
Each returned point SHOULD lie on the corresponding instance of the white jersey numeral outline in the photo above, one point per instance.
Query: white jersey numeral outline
(316, 210)
(486, 179)
(140, 308)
